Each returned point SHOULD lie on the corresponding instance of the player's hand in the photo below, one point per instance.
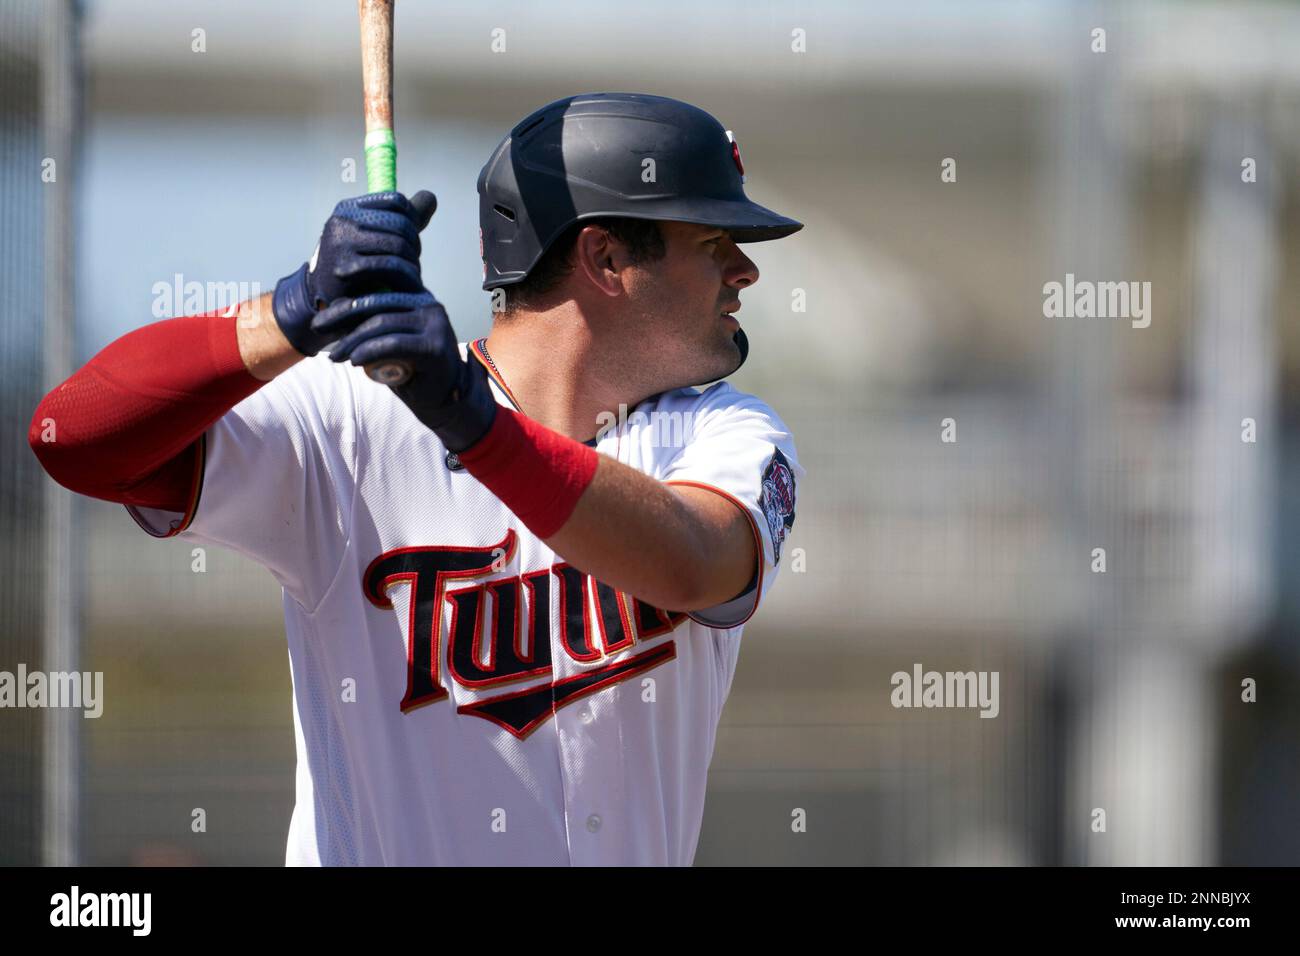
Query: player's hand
(370, 243)
(448, 394)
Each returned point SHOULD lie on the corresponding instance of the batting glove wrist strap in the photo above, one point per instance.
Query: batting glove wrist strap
(293, 308)
(464, 418)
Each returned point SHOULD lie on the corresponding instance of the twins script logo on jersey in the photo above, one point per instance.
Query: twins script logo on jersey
(450, 582)
(778, 499)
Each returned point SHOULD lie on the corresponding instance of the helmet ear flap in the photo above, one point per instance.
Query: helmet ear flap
(742, 343)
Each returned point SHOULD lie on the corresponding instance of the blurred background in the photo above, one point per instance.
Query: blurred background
(204, 142)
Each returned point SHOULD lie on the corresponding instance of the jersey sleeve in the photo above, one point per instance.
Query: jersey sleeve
(739, 448)
(275, 478)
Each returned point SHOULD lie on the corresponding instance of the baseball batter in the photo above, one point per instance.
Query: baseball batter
(514, 585)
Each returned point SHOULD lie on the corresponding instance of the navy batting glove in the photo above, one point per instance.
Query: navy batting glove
(448, 394)
(371, 242)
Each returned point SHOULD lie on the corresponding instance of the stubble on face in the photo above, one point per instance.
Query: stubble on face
(677, 333)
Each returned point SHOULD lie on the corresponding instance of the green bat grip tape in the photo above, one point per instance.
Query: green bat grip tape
(381, 177)
(381, 161)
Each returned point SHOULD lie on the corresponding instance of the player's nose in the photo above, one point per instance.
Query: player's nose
(741, 271)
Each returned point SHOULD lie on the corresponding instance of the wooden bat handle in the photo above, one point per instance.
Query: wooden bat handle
(377, 62)
(376, 17)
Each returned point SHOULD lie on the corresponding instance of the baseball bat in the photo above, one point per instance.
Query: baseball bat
(376, 18)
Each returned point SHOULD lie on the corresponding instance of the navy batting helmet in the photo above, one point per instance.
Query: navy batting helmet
(611, 154)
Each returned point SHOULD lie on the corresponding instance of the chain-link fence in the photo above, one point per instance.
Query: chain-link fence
(39, 576)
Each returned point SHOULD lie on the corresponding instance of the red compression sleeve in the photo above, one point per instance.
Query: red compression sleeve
(537, 473)
(125, 426)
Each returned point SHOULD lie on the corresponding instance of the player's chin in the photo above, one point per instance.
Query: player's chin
(725, 355)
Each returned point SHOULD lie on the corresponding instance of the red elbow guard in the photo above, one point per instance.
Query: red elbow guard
(121, 428)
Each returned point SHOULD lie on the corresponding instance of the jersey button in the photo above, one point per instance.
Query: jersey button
(585, 716)
(593, 823)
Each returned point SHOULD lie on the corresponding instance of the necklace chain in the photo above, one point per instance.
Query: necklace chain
(488, 355)
(482, 347)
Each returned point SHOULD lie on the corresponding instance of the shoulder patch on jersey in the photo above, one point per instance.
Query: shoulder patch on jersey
(778, 499)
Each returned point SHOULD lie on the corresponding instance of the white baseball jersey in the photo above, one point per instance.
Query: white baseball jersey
(462, 695)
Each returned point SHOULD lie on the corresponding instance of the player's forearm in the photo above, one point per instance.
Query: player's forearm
(262, 345)
(680, 549)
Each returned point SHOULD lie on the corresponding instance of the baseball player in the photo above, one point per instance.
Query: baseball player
(515, 584)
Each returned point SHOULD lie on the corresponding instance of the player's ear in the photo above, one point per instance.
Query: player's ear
(599, 258)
